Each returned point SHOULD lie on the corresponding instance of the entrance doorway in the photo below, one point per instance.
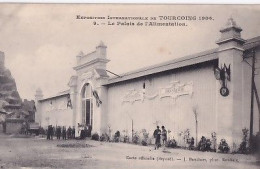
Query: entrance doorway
(87, 105)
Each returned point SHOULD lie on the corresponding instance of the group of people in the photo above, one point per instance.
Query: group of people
(60, 132)
(85, 131)
(160, 135)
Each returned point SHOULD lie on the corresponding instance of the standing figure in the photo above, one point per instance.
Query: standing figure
(157, 136)
(69, 131)
(164, 135)
(49, 133)
(63, 133)
(73, 132)
(82, 133)
(58, 132)
(89, 130)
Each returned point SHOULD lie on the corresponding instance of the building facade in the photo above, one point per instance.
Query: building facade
(212, 87)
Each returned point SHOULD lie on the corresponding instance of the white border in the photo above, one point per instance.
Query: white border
(138, 1)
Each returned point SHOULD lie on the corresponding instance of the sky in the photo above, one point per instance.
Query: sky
(41, 41)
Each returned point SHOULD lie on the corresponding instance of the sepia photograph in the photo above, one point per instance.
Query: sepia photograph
(129, 86)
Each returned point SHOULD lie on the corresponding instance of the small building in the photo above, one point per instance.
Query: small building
(13, 125)
(213, 86)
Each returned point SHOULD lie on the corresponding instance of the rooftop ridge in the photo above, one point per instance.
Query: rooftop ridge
(176, 60)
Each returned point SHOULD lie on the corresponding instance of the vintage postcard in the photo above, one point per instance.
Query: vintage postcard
(129, 86)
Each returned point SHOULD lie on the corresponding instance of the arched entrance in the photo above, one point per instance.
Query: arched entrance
(87, 105)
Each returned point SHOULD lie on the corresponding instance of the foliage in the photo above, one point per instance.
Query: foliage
(116, 137)
(190, 143)
(243, 148)
(95, 136)
(104, 137)
(223, 146)
(204, 144)
(135, 138)
(171, 143)
(126, 139)
(186, 136)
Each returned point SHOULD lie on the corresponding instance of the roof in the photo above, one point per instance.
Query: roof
(252, 43)
(60, 94)
(178, 63)
(189, 60)
(172, 64)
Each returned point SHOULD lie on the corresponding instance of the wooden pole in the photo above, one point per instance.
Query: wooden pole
(252, 97)
(258, 103)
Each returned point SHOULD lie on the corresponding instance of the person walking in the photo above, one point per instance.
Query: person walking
(157, 136)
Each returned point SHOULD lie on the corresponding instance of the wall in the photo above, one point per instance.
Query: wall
(177, 115)
(14, 126)
(55, 112)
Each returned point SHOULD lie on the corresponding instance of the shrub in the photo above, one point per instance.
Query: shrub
(95, 136)
(104, 137)
(223, 146)
(135, 138)
(190, 143)
(144, 143)
(171, 143)
(126, 139)
(116, 137)
(204, 144)
(243, 148)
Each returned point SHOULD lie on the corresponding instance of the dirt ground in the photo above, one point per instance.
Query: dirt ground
(36, 152)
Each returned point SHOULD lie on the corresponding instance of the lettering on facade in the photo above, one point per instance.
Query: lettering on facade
(54, 106)
(133, 95)
(175, 90)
